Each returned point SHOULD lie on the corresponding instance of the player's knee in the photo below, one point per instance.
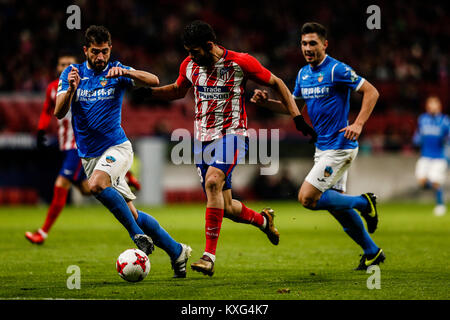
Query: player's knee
(307, 201)
(213, 185)
(95, 187)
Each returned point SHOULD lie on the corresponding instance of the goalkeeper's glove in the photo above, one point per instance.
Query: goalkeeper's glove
(305, 128)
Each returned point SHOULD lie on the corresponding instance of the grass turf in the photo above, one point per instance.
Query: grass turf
(314, 259)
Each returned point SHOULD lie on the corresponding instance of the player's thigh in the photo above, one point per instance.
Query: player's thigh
(133, 209)
(330, 166)
(308, 194)
(422, 168)
(438, 171)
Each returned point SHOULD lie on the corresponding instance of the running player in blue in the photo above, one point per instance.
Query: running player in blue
(325, 85)
(431, 134)
(93, 91)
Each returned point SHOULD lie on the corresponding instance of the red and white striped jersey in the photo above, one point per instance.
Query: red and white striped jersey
(219, 92)
(66, 138)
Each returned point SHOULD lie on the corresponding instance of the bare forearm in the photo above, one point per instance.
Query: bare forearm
(286, 99)
(143, 78)
(63, 102)
(369, 100)
(169, 92)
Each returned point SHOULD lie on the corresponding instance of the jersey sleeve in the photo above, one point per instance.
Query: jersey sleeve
(253, 69)
(297, 94)
(343, 74)
(47, 110)
(63, 84)
(182, 80)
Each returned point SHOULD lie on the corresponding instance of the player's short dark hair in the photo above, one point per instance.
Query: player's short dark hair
(197, 34)
(97, 34)
(314, 27)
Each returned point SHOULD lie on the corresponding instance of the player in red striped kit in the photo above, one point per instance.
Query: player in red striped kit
(218, 77)
(71, 171)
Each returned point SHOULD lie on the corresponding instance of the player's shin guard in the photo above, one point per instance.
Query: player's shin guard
(114, 201)
(213, 223)
(57, 205)
(354, 227)
(160, 237)
(333, 200)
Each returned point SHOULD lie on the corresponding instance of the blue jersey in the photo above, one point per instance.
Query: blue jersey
(326, 90)
(431, 135)
(96, 108)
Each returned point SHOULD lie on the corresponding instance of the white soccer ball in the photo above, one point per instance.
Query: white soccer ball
(133, 265)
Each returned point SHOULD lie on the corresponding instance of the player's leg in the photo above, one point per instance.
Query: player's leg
(106, 175)
(238, 212)
(214, 181)
(353, 225)
(421, 172)
(437, 175)
(316, 193)
(70, 169)
(60, 192)
(178, 252)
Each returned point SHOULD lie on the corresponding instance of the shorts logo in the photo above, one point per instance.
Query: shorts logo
(103, 81)
(328, 171)
(110, 159)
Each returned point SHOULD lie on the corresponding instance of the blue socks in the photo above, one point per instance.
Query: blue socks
(114, 201)
(333, 200)
(354, 227)
(439, 197)
(160, 236)
(145, 224)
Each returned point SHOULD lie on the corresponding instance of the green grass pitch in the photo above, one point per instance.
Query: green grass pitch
(314, 260)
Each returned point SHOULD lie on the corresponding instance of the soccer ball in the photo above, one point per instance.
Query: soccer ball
(133, 265)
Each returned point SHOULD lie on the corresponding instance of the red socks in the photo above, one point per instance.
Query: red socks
(58, 203)
(250, 216)
(213, 222)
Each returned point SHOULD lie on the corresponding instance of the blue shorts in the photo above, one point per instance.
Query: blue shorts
(71, 167)
(223, 153)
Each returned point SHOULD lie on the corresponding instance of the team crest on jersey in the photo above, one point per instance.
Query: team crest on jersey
(110, 159)
(103, 81)
(224, 71)
(328, 171)
(320, 77)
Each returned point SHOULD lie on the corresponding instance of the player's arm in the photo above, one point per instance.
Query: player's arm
(141, 78)
(286, 105)
(64, 98)
(370, 97)
(44, 118)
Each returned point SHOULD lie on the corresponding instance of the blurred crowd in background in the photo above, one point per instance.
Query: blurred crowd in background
(406, 59)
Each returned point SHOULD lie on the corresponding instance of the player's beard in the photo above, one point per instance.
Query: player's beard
(206, 60)
(97, 67)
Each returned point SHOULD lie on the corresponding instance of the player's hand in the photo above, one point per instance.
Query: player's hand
(305, 128)
(73, 78)
(40, 139)
(352, 132)
(116, 72)
(260, 97)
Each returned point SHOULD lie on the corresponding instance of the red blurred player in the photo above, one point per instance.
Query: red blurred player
(71, 170)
